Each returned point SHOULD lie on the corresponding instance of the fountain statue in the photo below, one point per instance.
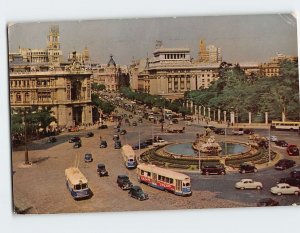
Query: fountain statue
(209, 147)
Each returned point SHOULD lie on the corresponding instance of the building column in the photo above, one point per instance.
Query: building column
(208, 113)
(224, 112)
(204, 111)
(249, 117)
(219, 115)
(192, 106)
(232, 117)
(283, 116)
(195, 109)
(266, 118)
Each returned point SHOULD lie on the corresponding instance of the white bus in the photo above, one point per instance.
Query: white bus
(285, 125)
(164, 179)
(129, 156)
(76, 183)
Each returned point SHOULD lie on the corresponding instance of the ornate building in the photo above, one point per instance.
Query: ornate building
(67, 89)
(209, 54)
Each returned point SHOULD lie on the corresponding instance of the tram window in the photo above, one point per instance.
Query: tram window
(148, 173)
(84, 186)
(159, 177)
(142, 172)
(171, 181)
(187, 184)
(77, 187)
(167, 180)
(163, 178)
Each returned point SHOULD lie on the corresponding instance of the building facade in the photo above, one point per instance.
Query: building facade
(66, 89)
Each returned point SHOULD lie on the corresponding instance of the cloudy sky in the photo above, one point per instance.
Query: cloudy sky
(241, 38)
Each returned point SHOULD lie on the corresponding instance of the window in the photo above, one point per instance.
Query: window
(167, 180)
(142, 172)
(18, 97)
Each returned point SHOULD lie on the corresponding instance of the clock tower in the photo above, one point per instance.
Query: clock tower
(53, 47)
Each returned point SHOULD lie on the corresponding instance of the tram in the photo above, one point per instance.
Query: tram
(164, 179)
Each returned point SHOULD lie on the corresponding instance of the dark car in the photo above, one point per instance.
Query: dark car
(52, 139)
(295, 173)
(123, 132)
(149, 141)
(291, 181)
(219, 131)
(134, 123)
(118, 144)
(116, 137)
(77, 144)
(138, 193)
(283, 164)
(247, 168)
(101, 170)
(102, 127)
(248, 131)
(175, 121)
(292, 150)
(74, 139)
(213, 168)
(281, 143)
(142, 145)
(88, 158)
(267, 202)
(89, 135)
(124, 182)
(103, 144)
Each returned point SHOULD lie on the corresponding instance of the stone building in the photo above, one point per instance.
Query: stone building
(66, 89)
(209, 54)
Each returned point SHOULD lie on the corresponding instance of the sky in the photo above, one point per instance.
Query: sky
(247, 38)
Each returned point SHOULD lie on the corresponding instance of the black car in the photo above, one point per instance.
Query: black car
(77, 144)
(134, 123)
(267, 202)
(52, 139)
(219, 131)
(124, 182)
(248, 131)
(74, 139)
(103, 144)
(142, 145)
(281, 143)
(88, 158)
(283, 164)
(291, 181)
(292, 150)
(247, 168)
(149, 142)
(118, 144)
(89, 135)
(138, 193)
(123, 132)
(101, 170)
(213, 168)
(102, 127)
(295, 173)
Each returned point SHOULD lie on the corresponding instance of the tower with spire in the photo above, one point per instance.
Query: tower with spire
(53, 45)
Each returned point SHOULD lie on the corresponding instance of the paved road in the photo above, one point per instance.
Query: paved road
(41, 187)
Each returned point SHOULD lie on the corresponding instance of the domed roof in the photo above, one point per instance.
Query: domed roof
(111, 61)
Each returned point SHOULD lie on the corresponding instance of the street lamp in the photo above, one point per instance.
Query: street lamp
(269, 141)
(199, 154)
(25, 138)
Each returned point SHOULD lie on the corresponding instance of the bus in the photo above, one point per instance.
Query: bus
(77, 184)
(164, 179)
(285, 125)
(129, 156)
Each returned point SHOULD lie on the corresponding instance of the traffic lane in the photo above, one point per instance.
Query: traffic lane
(224, 186)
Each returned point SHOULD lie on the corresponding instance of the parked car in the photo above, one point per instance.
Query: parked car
(267, 202)
(160, 143)
(134, 123)
(291, 181)
(103, 144)
(149, 141)
(102, 127)
(123, 132)
(88, 158)
(213, 168)
(118, 144)
(283, 164)
(138, 193)
(74, 139)
(77, 144)
(52, 139)
(89, 134)
(101, 170)
(295, 173)
(247, 168)
(248, 184)
(142, 145)
(124, 182)
(292, 150)
(219, 131)
(283, 188)
(116, 137)
(248, 131)
(281, 143)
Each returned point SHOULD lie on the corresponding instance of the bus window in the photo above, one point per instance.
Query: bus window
(187, 184)
(159, 177)
(167, 180)
(148, 174)
(142, 172)
(171, 181)
(77, 187)
(84, 186)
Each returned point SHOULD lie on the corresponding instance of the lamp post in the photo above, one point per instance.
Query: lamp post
(25, 138)
(269, 141)
(199, 153)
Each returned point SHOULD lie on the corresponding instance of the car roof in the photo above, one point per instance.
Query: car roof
(100, 165)
(136, 187)
(283, 184)
(123, 176)
(246, 180)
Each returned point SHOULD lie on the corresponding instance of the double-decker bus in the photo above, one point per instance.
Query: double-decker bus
(164, 179)
(285, 125)
(129, 156)
(76, 183)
